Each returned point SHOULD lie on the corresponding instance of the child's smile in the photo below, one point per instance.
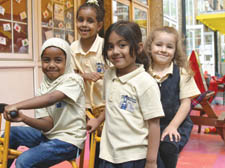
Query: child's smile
(87, 24)
(53, 62)
(119, 54)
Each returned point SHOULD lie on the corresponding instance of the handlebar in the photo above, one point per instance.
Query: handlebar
(13, 114)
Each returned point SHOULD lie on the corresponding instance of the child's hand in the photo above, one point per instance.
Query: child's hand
(172, 133)
(92, 125)
(93, 76)
(7, 116)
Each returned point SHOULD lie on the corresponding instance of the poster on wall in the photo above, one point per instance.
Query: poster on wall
(2, 10)
(25, 42)
(18, 1)
(2, 40)
(17, 27)
(59, 12)
(49, 34)
(23, 15)
(6, 27)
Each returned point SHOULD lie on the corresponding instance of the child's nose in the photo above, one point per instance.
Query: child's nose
(163, 49)
(115, 50)
(84, 23)
(51, 64)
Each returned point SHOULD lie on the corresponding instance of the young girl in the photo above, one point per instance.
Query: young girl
(131, 131)
(58, 130)
(170, 68)
(87, 51)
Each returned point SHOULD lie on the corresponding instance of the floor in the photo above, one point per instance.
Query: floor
(203, 150)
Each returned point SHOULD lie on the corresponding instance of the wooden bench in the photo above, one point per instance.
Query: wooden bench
(209, 117)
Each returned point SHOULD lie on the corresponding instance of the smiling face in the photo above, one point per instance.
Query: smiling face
(53, 62)
(118, 53)
(163, 48)
(87, 24)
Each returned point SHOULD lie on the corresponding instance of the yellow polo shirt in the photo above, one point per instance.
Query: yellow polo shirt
(131, 100)
(90, 61)
(188, 87)
(69, 114)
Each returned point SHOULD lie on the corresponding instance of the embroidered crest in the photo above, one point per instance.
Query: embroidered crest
(127, 103)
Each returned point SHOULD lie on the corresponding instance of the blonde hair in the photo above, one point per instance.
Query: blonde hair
(180, 57)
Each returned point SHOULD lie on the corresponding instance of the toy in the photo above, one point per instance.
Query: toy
(210, 130)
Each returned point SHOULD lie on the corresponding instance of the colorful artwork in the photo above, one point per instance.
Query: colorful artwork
(45, 14)
(18, 1)
(7, 27)
(2, 40)
(25, 42)
(49, 6)
(17, 28)
(2, 10)
(23, 15)
(59, 12)
(68, 4)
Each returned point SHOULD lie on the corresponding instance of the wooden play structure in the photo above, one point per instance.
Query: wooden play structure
(96, 135)
(207, 115)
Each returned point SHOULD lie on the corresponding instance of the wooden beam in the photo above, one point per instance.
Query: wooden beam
(156, 14)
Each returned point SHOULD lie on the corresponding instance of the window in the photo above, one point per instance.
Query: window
(170, 12)
(58, 19)
(122, 10)
(14, 27)
(143, 1)
(140, 17)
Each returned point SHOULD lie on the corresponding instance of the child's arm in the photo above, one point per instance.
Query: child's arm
(44, 123)
(153, 143)
(180, 116)
(93, 76)
(36, 102)
(94, 123)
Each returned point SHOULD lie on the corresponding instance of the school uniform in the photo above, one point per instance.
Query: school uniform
(63, 141)
(90, 61)
(174, 86)
(131, 100)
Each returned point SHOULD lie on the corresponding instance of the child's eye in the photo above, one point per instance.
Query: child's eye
(58, 60)
(110, 46)
(90, 20)
(122, 45)
(45, 59)
(170, 46)
(80, 19)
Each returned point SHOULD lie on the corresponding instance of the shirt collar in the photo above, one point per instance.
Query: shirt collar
(154, 75)
(130, 75)
(94, 47)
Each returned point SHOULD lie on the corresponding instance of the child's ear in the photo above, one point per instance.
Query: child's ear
(140, 47)
(100, 25)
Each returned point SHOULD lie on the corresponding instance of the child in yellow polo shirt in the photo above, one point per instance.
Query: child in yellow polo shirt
(58, 130)
(131, 132)
(87, 51)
